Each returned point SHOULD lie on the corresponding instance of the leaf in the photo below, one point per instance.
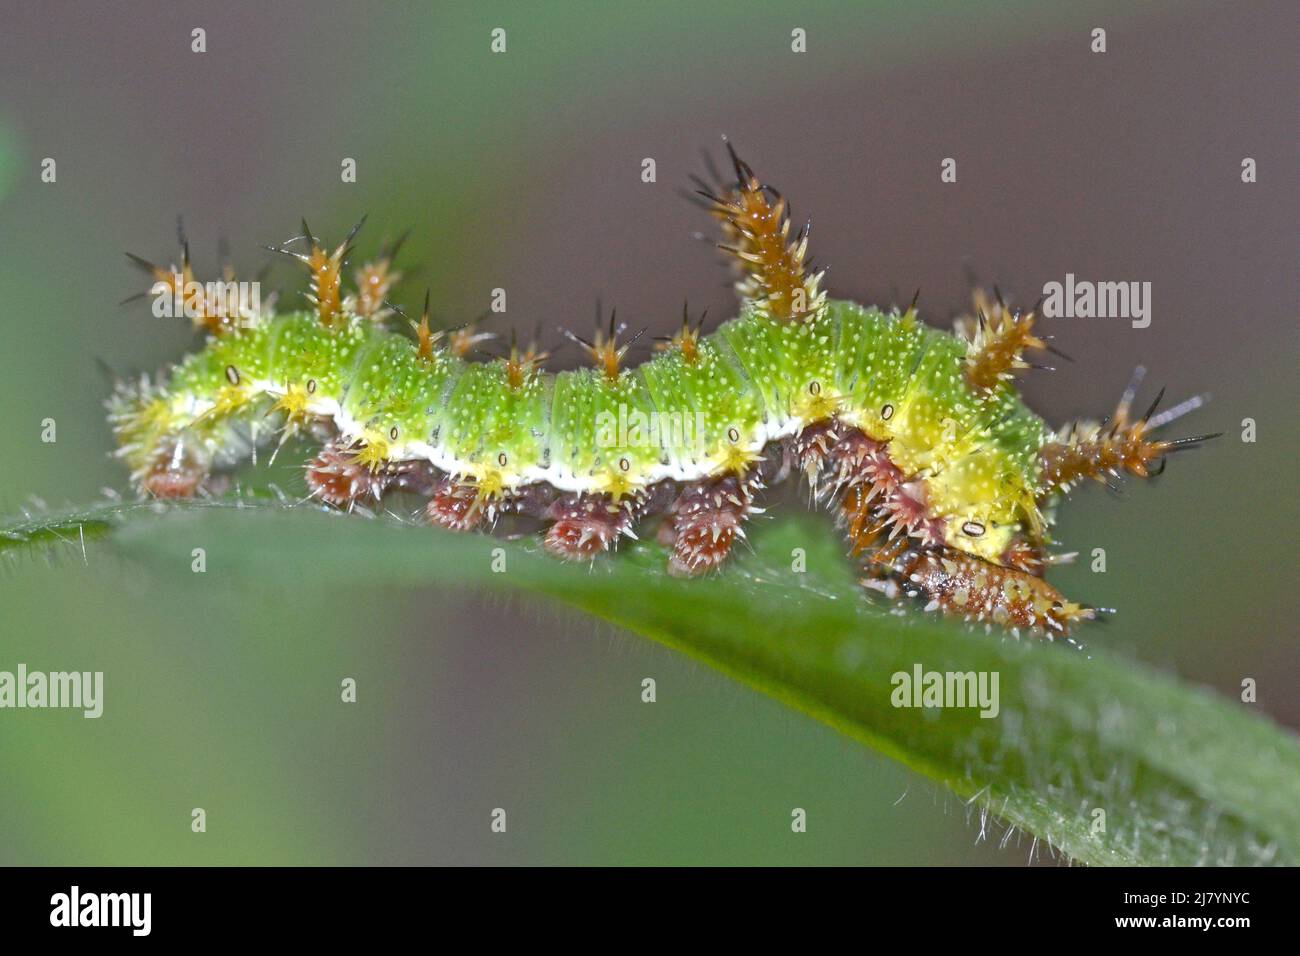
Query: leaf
(1105, 760)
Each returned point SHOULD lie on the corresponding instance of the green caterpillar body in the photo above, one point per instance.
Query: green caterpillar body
(944, 481)
(755, 380)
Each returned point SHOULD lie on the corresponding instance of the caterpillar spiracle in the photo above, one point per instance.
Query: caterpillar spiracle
(944, 482)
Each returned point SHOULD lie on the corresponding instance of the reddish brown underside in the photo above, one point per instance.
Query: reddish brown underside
(888, 526)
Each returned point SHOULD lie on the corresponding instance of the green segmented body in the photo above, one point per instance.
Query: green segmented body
(944, 482)
(752, 381)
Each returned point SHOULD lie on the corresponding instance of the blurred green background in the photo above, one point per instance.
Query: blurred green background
(522, 170)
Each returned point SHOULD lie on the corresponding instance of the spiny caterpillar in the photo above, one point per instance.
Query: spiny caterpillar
(944, 482)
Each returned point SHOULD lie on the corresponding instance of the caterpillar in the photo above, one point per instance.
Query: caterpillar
(944, 483)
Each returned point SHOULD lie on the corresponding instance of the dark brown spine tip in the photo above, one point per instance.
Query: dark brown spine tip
(756, 230)
(1118, 444)
(998, 341)
(325, 272)
(1124, 449)
(424, 334)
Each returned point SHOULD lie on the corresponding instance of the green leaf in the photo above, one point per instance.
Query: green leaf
(1106, 760)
